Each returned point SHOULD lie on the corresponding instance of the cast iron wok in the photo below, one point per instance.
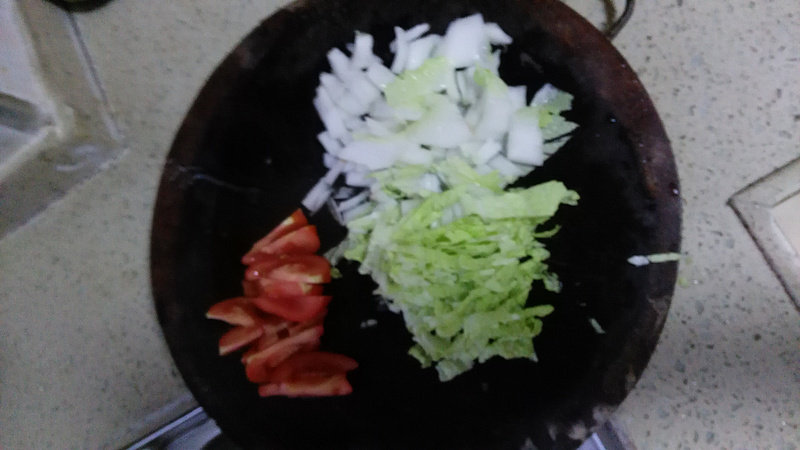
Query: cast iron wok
(246, 155)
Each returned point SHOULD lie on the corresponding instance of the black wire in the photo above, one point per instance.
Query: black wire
(617, 26)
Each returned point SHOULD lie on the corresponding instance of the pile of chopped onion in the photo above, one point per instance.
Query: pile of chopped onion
(440, 96)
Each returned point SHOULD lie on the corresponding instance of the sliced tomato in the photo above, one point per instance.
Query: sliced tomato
(312, 269)
(295, 221)
(250, 288)
(235, 311)
(239, 337)
(314, 363)
(330, 385)
(303, 240)
(259, 365)
(276, 288)
(259, 344)
(298, 308)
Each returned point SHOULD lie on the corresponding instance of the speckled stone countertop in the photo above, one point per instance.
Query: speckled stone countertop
(82, 358)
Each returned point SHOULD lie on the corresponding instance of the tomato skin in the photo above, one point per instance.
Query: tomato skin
(234, 311)
(295, 221)
(309, 387)
(303, 240)
(299, 308)
(259, 366)
(314, 363)
(239, 337)
(278, 288)
(310, 269)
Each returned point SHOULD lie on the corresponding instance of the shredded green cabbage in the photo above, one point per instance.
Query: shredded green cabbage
(460, 264)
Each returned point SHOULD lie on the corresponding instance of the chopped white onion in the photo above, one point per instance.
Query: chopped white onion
(317, 196)
(544, 95)
(329, 143)
(417, 31)
(401, 52)
(334, 172)
(379, 75)
(359, 179)
(330, 115)
(420, 49)
(505, 167)
(374, 154)
(362, 51)
(518, 96)
(465, 41)
(340, 64)
(496, 34)
(525, 139)
(329, 160)
(353, 213)
(414, 154)
(354, 201)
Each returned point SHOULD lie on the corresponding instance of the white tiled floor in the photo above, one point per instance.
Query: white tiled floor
(787, 215)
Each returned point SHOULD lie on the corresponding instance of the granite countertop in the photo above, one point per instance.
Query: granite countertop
(82, 358)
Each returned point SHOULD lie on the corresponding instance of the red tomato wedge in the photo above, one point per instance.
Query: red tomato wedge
(276, 288)
(309, 364)
(259, 365)
(299, 308)
(251, 288)
(310, 387)
(310, 269)
(295, 221)
(239, 337)
(235, 311)
(303, 240)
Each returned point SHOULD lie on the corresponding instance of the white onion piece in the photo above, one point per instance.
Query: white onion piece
(486, 152)
(317, 196)
(379, 75)
(495, 116)
(354, 201)
(518, 96)
(378, 128)
(334, 172)
(362, 51)
(525, 139)
(374, 154)
(330, 115)
(355, 125)
(353, 213)
(417, 31)
(333, 85)
(420, 49)
(401, 52)
(441, 126)
(359, 179)
(495, 34)
(340, 64)
(544, 95)
(329, 143)
(337, 215)
(465, 41)
(466, 87)
(430, 182)
(505, 167)
(343, 193)
(414, 154)
(348, 104)
(329, 160)
(363, 91)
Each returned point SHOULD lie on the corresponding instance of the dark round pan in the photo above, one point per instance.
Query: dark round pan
(246, 155)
